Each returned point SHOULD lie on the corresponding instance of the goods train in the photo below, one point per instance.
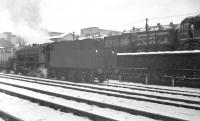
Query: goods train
(89, 59)
(183, 67)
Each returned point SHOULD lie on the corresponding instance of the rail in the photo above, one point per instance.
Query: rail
(8, 117)
(79, 112)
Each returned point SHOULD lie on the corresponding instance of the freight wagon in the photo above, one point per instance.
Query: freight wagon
(159, 66)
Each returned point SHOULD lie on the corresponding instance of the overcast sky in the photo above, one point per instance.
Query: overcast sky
(72, 15)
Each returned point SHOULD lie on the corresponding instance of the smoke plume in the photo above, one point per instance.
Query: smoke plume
(25, 15)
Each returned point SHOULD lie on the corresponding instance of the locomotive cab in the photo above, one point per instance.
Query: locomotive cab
(189, 34)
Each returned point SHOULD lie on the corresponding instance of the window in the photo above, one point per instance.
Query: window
(185, 27)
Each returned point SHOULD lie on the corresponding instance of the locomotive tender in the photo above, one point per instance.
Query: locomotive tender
(85, 60)
(80, 60)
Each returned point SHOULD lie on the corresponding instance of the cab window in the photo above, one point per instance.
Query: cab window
(185, 27)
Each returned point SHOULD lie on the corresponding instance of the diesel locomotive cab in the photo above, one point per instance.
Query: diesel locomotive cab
(189, 34)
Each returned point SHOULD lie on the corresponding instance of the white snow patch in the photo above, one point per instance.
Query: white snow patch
(118, 115)
(160, 52)
(29, 111)
(1, 119)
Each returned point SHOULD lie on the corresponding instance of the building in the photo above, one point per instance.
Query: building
(51, 34)
(64, 37)
(10, 40)
(95, 32)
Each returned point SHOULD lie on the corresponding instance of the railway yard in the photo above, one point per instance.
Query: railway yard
(73, 61)
(29, 98)
(100, 79)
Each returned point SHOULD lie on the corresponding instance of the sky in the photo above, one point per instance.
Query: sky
(72, 15)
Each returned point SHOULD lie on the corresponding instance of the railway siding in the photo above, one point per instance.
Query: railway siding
(103, 105)
(116, 94)
(110, 88)
(29, 111)
(140, 113)
(169, 97)
(50, 101)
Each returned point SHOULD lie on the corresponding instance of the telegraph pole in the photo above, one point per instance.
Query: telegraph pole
(147, 26)
(73, 35)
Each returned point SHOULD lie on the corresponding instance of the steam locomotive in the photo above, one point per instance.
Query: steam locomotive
(184, 37)
(90, 59)
(81, 61)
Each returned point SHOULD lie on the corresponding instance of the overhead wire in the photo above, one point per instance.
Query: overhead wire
(174, 16)
(156, 18)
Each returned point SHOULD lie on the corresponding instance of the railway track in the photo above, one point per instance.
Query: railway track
(45, 102)
(31, 111)
(92, 116)
(8, 117)
(123, 94)
(112, 93)
(154, 88)
(132, 86)
(160, 117)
